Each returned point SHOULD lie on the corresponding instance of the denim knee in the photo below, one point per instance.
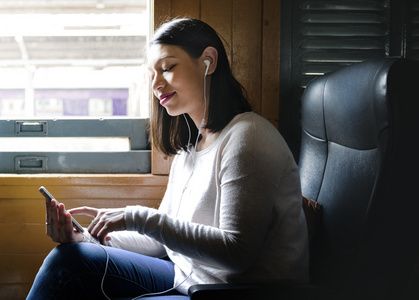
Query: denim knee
(61, 264)
(76, 257)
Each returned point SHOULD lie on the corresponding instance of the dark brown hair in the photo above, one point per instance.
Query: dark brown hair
(227, 96)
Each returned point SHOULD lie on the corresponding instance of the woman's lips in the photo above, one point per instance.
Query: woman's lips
(164, 98)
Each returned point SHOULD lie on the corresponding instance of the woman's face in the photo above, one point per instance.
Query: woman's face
(177, 80)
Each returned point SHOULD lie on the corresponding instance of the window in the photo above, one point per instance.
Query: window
(74, 91)
(319, 36)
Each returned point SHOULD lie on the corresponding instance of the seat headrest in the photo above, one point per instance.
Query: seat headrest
(352, 102)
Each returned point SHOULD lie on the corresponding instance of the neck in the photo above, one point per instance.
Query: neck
(207, 139)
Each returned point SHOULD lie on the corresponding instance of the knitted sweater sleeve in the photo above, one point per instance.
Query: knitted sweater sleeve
(134, 242)
(248, 176)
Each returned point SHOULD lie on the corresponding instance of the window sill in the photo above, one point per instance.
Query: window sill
(97, 190)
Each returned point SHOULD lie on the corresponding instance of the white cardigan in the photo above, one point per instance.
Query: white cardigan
(231, 213)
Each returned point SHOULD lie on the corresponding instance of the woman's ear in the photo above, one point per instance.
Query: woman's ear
(210, 54)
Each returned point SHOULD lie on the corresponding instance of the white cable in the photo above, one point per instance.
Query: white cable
(104, 274)
(205, 111)
(202, 122)
(166, 291)
(189, 129)
(92, 240)
(106, 269)
(141, 296)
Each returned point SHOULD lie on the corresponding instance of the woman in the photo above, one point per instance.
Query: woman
(232, 209)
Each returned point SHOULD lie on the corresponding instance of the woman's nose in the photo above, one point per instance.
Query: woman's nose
(158, 83)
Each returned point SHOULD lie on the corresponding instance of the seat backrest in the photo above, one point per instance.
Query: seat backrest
(358, 160)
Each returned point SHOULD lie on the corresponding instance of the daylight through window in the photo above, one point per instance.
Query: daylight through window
(81, 58)
(74, 90)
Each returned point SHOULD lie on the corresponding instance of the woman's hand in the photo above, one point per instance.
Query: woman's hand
(104, 221)
(59, 225)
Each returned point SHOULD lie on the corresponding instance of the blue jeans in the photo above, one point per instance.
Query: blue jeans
(75, 271)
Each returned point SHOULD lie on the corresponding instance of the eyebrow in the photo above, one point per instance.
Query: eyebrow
(164, 57)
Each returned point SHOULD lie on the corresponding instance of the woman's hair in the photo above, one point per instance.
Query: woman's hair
(227, 96)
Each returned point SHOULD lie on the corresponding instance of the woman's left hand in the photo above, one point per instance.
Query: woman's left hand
(105, 221)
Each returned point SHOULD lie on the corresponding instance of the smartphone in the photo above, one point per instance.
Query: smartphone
(48, 195)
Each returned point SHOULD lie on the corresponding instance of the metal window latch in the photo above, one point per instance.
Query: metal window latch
(31, 163)
(33, 128)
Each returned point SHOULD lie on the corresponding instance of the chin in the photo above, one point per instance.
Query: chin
(173, 112)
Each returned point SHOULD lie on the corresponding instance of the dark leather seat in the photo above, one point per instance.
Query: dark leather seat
(358, 159)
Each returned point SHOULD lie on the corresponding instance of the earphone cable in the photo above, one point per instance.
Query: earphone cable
(106, 264)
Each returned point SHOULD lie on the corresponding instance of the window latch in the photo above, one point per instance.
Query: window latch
(33, 128)
(31, 163)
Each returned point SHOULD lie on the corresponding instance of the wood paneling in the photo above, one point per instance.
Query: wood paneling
(162, 9)
(219, 14)
(270, 61)
(186, 8)
(247, 48)
(160, 163)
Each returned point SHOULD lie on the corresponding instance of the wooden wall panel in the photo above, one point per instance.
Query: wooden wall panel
(13, 291)
(247, 48)
(219, 14)
(160, 163)
(186, 8)
(161, 11)
(270, 61)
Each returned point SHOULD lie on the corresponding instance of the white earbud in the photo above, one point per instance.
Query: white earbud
(207, 63)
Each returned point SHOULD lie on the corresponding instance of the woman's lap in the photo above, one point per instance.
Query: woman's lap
(75, 271)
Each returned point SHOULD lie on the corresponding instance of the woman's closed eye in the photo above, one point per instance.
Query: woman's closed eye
(168, 69)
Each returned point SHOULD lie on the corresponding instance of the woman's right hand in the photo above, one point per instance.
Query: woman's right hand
(59, 225)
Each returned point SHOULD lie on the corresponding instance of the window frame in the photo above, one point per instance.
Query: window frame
(137, 159)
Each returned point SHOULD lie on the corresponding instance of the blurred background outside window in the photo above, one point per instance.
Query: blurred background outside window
(75, 58)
